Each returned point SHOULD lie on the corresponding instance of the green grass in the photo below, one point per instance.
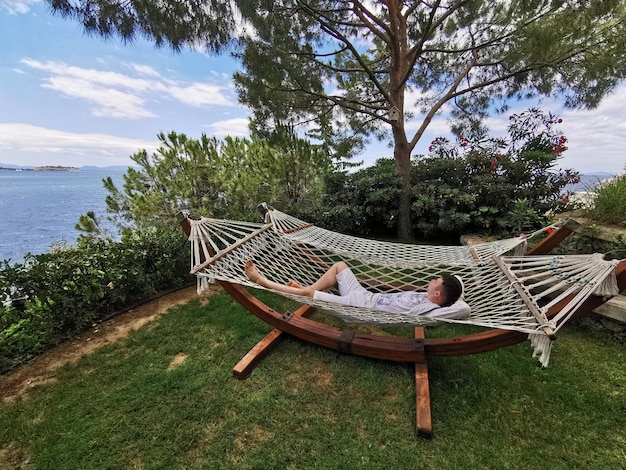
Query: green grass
(123, 407)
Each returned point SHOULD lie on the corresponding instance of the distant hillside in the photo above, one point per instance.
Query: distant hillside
(9, 166)
(589, 181)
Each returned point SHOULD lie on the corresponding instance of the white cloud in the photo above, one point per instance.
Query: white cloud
(15, 7)
(597, 138)
(144, 70)
(117, 95)
(104, 102)
(237, 127)
(200, 94)
(26, 144)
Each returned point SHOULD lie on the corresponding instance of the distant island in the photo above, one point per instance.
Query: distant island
(56, 168)
(12, 167)
(41, 168)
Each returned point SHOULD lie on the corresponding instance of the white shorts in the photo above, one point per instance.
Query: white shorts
(351, 292)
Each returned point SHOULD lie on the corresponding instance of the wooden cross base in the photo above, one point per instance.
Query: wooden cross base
(424, 427)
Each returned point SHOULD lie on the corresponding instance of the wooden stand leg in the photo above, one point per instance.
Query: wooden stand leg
(247, 364)
(424, 426)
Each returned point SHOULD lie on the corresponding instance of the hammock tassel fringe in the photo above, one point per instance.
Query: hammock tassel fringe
(542, 347)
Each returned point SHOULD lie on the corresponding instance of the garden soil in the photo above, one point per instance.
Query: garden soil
(43, 368)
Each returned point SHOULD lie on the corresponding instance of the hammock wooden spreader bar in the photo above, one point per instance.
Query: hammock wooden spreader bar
(530, 303)
(231, 248)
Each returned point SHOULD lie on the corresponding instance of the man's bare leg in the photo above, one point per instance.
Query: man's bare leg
(327, 281)
(255, 276)
(329, 278)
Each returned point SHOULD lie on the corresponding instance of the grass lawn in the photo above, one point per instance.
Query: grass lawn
(165, 398)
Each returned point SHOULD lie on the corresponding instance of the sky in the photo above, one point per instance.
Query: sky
(71, 99)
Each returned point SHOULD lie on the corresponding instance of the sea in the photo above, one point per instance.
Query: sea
(39, 209)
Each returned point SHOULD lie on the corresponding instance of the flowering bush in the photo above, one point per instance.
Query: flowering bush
(493, 185)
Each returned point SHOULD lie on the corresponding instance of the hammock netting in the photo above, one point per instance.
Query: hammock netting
(510, 292)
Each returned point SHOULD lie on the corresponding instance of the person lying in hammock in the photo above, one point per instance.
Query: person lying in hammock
(441, 292)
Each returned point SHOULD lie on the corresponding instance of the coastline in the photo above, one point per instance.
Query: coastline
(2, 168)
(42, 168)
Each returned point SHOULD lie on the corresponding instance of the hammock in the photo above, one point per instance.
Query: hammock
(506, 292)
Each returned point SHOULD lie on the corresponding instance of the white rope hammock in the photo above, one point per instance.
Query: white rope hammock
(508, 292)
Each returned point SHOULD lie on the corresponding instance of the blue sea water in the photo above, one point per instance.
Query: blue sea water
(40, 208)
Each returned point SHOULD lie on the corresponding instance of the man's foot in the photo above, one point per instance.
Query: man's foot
(251, 271)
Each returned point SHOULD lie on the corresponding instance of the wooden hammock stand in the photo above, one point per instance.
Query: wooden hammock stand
(395, 349)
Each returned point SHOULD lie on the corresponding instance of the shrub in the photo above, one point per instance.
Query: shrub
(362, 203)
(53, 296)
(609, 204)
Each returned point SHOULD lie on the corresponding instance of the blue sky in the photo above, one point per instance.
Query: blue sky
(71, 99)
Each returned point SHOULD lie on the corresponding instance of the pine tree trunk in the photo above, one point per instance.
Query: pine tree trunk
(404, 231)
(402, 155)
(400, 63)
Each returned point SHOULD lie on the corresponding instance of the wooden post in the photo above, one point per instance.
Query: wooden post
(424, 424)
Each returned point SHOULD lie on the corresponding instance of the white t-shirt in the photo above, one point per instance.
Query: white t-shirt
(415, 303)
(351, 292)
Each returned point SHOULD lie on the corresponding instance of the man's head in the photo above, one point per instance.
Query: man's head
(445, 290)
